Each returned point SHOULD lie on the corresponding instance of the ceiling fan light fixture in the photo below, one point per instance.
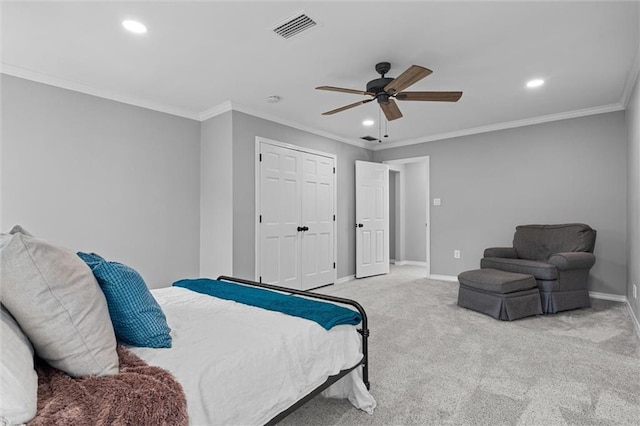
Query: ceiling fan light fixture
(535, 83)
(134, 26)
(368, 122)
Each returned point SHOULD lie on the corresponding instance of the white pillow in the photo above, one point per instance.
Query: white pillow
(18, 379)
(58, 303)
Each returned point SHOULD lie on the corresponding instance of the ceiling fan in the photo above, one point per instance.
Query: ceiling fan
(384, 89)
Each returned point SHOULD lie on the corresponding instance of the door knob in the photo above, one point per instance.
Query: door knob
(305, 228)
(300, 228)
(359, 225)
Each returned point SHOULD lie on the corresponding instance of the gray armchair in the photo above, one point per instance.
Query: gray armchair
(558, 256)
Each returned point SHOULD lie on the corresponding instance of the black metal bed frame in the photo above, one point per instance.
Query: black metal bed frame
(364, 331)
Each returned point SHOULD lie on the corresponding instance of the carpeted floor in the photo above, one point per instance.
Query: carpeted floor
(434, 363)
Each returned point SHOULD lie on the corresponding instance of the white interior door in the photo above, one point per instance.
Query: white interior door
(280, 216)
(372, 219)
(317, 219)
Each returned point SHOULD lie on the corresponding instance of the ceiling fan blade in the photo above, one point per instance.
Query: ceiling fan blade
(391, 110)
(412, 75)
(340, 89)
(429, 96)
(353, 105)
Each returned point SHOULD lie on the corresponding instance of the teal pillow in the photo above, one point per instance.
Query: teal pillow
(137, 318)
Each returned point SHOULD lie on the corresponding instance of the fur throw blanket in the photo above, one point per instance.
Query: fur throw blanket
(139, 395)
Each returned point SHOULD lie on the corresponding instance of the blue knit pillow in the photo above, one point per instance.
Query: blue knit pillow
(137, 318)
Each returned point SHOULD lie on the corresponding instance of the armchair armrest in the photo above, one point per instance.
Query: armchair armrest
(572, 260)
(505, 252)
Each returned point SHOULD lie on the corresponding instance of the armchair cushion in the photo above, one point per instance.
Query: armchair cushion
(507, 252)
(540, 270)
(539, 242)
(572, 260)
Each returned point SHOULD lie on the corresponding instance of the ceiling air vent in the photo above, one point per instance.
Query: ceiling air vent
(369, 138)
(294, 25)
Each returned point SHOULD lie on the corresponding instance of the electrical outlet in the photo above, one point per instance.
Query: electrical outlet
(635, 291)
(456, 254)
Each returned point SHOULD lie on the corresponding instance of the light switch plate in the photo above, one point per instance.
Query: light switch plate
(436, 201)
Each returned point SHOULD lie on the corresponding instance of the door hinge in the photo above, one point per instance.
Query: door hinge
(334, 170)
(261, 278)
(334, 265)
(334, 217)
(260, 218)
(260, 156)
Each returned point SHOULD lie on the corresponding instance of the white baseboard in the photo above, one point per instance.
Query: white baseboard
(607, 296)
(345, 279)
(619, 298)
(410, 262)
(443, 277)
(636, 323)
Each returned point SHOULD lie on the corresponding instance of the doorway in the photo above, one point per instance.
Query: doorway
(409, 212)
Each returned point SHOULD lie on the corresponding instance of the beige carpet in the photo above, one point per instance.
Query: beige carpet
(434, 363)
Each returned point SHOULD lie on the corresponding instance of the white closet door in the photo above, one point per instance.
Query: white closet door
(297, 197)
(280, 202)
(317, 220)
(372, 219)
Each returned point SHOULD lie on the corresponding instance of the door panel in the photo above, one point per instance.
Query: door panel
(317, 216)
(372, 220)
(280, 192)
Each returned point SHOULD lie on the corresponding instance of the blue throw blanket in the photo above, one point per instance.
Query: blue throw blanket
(327, 315)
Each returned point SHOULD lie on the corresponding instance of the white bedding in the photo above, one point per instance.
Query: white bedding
(244, 365)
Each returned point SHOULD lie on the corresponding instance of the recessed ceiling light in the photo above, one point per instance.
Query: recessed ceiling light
(134, 26)
(368, 122)
(274, 99)
(535, 83)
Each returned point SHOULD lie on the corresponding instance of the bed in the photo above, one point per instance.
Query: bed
(284, 362)
(236, 363)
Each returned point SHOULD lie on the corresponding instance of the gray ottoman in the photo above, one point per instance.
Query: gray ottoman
(503, 295)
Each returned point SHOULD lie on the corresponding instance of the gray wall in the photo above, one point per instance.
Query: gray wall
(141, 186)
(564, 171)
(415, 214)
(216, 197)
(245, 130)
(633, 201)
(97, 175)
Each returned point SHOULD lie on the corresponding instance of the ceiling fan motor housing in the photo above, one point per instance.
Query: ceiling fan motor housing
(377, 86)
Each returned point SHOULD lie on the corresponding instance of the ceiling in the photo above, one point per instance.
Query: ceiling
(202, 58)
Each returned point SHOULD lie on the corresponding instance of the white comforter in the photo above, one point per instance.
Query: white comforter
(241, 365)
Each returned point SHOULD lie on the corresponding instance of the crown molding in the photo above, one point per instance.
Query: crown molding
(20, 72)
(506, 125)
(215, 111)
(27, 74)
(295, 125)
